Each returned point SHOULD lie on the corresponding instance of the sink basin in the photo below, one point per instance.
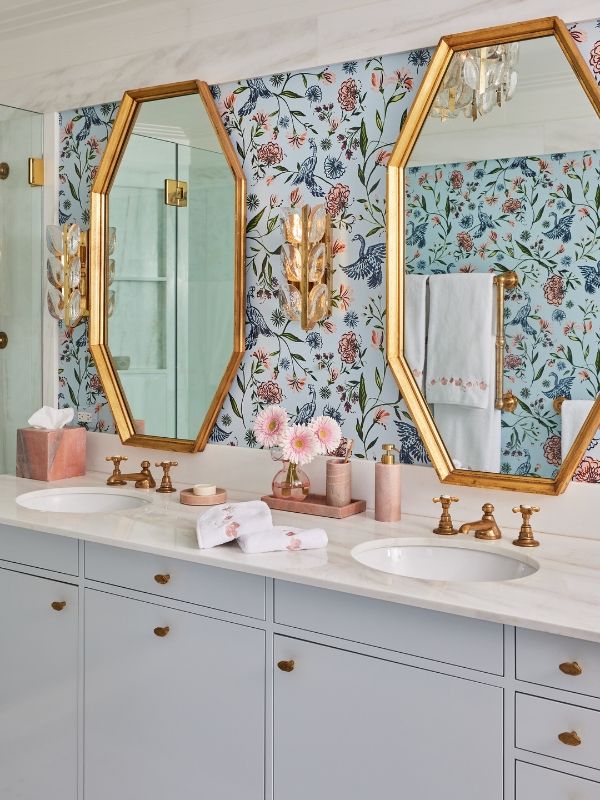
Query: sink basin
(82, 500)
(442, 561)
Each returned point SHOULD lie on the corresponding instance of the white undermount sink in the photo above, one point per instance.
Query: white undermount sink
(442, 561)
(82, 500)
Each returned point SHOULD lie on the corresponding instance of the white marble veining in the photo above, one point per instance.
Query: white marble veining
(219, 42)
(562, 597)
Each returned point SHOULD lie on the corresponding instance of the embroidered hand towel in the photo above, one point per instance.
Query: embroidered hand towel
(283, 538)
(226, 522)
(573, 414)
(461, 339)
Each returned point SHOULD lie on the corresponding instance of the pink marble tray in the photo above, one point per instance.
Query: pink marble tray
(315, 504)
(188, 498)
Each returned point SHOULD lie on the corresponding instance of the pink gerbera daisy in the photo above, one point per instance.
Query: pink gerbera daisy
(328, 434)
(270, 426)
(299, 445)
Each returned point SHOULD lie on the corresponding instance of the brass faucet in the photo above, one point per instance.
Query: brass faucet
(143, 479)
(485, 528)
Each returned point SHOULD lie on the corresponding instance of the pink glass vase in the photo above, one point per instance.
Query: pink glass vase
(291, 482)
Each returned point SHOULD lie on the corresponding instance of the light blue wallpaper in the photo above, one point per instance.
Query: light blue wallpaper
(322, 134)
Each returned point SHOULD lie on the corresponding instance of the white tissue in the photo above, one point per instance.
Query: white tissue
(51, 419)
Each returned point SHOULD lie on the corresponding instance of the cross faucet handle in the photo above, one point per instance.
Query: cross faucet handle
(116, 459)
(115, 479)
(526, 537)
(166, 485)
(445, 526)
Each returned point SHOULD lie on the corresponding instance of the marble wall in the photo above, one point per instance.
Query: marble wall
(320, 134)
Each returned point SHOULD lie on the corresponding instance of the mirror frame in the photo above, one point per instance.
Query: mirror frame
(417, 115)
(98, 255)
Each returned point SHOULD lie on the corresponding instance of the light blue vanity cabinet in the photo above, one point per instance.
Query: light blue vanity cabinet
(38, 687)
(174, 703)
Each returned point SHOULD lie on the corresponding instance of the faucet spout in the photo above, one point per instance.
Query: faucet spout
(486, 528)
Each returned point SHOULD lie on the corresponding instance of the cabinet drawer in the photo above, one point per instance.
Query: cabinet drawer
(548, 784)
(539, 723)
(173, 578)
(430, 634)
(42, 550)
(540, 657)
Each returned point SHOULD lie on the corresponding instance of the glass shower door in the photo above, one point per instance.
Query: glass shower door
(21, 136)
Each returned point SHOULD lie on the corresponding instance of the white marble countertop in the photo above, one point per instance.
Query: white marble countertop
(562, 597)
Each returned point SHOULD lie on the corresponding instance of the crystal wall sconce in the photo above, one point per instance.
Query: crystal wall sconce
(67, 273)
(306, 292)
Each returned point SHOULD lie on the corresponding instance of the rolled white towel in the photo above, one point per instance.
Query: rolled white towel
(283, 538)
(226, 522)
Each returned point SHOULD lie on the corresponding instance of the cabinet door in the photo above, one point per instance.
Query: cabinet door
(177, 715)
(355, 727)
(38, 688)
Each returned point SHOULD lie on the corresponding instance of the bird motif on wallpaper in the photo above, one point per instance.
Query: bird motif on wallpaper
(307, 412)
(591, 276)
(521, 163)
(562, 227)
(368, 264)
(306, 172)
(485, 222)
(525, 467)
(562, 387)
(257, 89)
(90, 117)
(411, 447)
(218, 435)
(256, 321)
(522, 317)
(416, 237)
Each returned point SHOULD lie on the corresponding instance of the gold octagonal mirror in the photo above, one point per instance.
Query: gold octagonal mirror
(494, 259)
(167, 232)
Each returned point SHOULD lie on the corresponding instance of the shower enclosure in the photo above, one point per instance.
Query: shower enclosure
(21, 137)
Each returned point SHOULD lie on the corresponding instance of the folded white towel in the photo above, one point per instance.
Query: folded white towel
(461, 340)
(226, 522)
(415, 324)
(283, 538)
(573, 414)
(473, 436)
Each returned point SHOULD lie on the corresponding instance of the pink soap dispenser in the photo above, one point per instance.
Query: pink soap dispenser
(387, 486)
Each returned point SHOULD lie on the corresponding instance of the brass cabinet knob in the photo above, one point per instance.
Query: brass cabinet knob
(58, 605)
(570, 668)
(3, 340)
(286, 666)
(570, 738)
(162, 579)
(161, 631)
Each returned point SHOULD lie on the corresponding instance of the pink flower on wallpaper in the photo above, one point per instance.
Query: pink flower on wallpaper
(376, 80)
(554, 290)
(511, 205)
(588, 471)
(269, 392)
(513, 361)
(595, 58)
(348, 347)
(380, 416)
(552, 451)
(297, 139)
(229, 101)
(295, 197)
(94, 144)
(270, 153)
(404, 79)
(376, 338)
(337, 247)
(383, 157)
(337, 199)
(464, 241)
(456, 179)
(348, 94)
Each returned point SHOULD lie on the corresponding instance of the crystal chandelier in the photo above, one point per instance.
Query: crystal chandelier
(477, 81)
(306, 293)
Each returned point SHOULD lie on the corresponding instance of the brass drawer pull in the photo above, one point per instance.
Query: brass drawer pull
(570, 668)
(286, 666)
(161, 631)
(570, 737)
(58, 605)
(162, 579)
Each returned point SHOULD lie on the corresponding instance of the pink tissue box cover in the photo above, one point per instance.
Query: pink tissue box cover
(50, 455)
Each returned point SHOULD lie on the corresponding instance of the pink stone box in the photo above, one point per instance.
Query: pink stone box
(50, 455)
(315, 504)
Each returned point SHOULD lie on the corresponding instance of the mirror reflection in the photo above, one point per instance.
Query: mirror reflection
(172, 271)
(503, 182)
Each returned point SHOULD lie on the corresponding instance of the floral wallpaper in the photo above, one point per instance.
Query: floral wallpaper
(316, 135)
(538, 216)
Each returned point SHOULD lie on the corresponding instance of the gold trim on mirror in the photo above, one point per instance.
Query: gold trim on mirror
(98, 255)
(417, 406)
